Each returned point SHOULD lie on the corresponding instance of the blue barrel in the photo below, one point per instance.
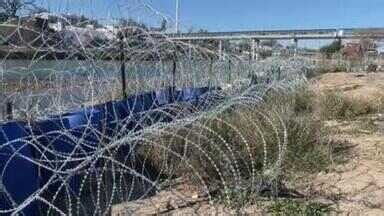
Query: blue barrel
(19, 176)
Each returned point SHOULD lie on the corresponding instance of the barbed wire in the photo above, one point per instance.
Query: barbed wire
(81, 147)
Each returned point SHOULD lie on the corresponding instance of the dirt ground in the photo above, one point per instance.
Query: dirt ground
(355, 187)
(356, 85)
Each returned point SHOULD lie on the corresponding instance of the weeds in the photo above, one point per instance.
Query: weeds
(335, 105)
(308, 148)
(293, 207)
(363, 125)
(238, 150)
(247, 151)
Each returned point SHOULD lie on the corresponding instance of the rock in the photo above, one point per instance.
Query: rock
(360, 75)
(195, 196)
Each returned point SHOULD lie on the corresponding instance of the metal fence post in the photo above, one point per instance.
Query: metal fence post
(174, 68)
(229, 70)
(122, 68)
(210, 71)
(9, 111)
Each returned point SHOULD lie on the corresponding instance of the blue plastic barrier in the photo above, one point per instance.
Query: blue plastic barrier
(73, 135)
(114, 112)
(123, 116)
(201, 92)
(76, 134)
(142, 102)
(162, 97)
(20, 177)
(192, 94)
(84, 124)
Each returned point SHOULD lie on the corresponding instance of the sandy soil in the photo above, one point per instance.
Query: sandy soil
(356, 85)
(357, 186)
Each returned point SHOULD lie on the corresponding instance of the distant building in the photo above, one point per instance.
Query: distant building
(78, 36)
(353, 50)
(109, 33)
(358, 48)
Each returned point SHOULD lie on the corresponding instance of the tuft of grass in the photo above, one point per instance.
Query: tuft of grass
(362, 125)
(308, 147)
(336, 105)
(290, 207)
(329, 67)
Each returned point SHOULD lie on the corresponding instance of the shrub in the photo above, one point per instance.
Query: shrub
(331, 49)
(335, 105)
(292, 207)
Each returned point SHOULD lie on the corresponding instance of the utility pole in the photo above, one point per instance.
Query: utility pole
(177, 16)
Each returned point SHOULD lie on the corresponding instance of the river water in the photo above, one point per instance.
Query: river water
(71, 83)
(75, 82)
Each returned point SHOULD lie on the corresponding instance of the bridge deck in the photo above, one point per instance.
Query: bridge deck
(307, 34)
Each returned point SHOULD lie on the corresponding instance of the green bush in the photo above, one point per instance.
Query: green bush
(331, 49)
(297, 208)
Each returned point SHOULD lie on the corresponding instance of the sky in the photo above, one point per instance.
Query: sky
(227, 15)
(234, 15)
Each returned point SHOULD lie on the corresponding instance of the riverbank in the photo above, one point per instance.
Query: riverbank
(25, 53)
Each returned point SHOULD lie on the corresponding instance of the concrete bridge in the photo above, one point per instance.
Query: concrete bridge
(295, 35)
(307, 34)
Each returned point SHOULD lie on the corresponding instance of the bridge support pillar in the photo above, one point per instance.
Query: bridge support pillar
(339, 40)
(221, 50)
(295, 46)
(255, 49)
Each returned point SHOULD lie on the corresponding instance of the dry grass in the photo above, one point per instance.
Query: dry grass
(213, 147)
(336, 105)
(221, 149)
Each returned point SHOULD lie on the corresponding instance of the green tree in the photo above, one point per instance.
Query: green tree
(11, 8)
(130, 22)
(163, 26)
(330, 49)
